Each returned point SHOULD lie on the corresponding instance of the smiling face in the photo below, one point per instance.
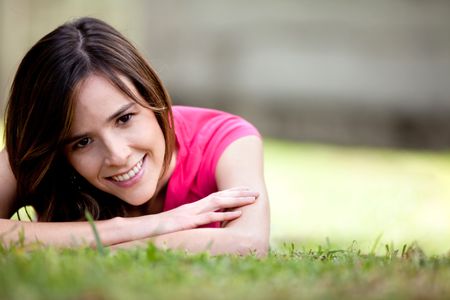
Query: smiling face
(115, 143)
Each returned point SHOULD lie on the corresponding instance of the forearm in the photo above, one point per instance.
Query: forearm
(121, 230)
(214, 240)
(70, 234)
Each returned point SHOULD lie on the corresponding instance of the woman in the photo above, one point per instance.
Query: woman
(90, 127)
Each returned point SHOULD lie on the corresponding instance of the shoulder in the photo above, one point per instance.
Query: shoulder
(196, 115)
(204, 134)
(209, 123)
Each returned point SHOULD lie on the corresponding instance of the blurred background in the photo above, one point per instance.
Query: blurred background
(353, 98)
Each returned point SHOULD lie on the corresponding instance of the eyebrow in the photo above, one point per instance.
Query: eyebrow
(115, 115)
(121, 110)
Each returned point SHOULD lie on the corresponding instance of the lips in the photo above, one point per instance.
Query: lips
(130, 174)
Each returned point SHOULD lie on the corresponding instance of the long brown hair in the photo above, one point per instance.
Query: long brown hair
(40, 113)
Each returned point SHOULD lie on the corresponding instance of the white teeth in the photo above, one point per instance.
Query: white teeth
(130, 174)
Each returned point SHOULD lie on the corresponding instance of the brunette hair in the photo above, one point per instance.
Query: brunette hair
(40, 113)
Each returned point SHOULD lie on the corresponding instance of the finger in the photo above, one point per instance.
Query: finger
(215, 203)
(224, 199)
(238, 188)
(237, 193)
(219, 217)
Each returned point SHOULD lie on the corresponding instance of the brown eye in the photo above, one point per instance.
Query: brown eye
(83, 142)
(124, 119)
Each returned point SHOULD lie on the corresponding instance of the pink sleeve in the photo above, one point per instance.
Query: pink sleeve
(223, 131)
(202, 137)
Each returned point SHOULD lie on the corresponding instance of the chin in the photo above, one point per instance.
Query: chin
(138, 201)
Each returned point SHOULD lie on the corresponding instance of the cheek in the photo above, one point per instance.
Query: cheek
(83, 164)
(154, 137)
(160, 144)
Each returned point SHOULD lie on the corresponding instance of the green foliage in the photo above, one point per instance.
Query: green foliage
(292, 272)
(98, 241)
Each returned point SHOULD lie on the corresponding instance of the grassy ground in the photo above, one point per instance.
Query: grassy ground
(289, 273)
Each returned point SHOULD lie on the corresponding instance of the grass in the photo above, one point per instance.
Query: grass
(288, 273)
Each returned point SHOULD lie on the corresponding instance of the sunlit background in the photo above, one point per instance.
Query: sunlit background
(353, 98)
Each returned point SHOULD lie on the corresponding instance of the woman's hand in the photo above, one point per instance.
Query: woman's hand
(213, 208)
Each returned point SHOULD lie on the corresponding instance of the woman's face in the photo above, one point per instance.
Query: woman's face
(115, 143)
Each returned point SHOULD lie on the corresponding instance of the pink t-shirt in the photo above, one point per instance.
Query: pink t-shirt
(201, 135)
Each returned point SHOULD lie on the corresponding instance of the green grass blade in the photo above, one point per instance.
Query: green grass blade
(98, 242)
(375, 244)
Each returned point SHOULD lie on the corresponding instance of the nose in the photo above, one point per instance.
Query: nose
(117, 151)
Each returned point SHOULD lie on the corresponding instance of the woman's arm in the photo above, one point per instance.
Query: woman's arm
(120, 230)
(113, 231)
(241, 164)
(213, 240)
